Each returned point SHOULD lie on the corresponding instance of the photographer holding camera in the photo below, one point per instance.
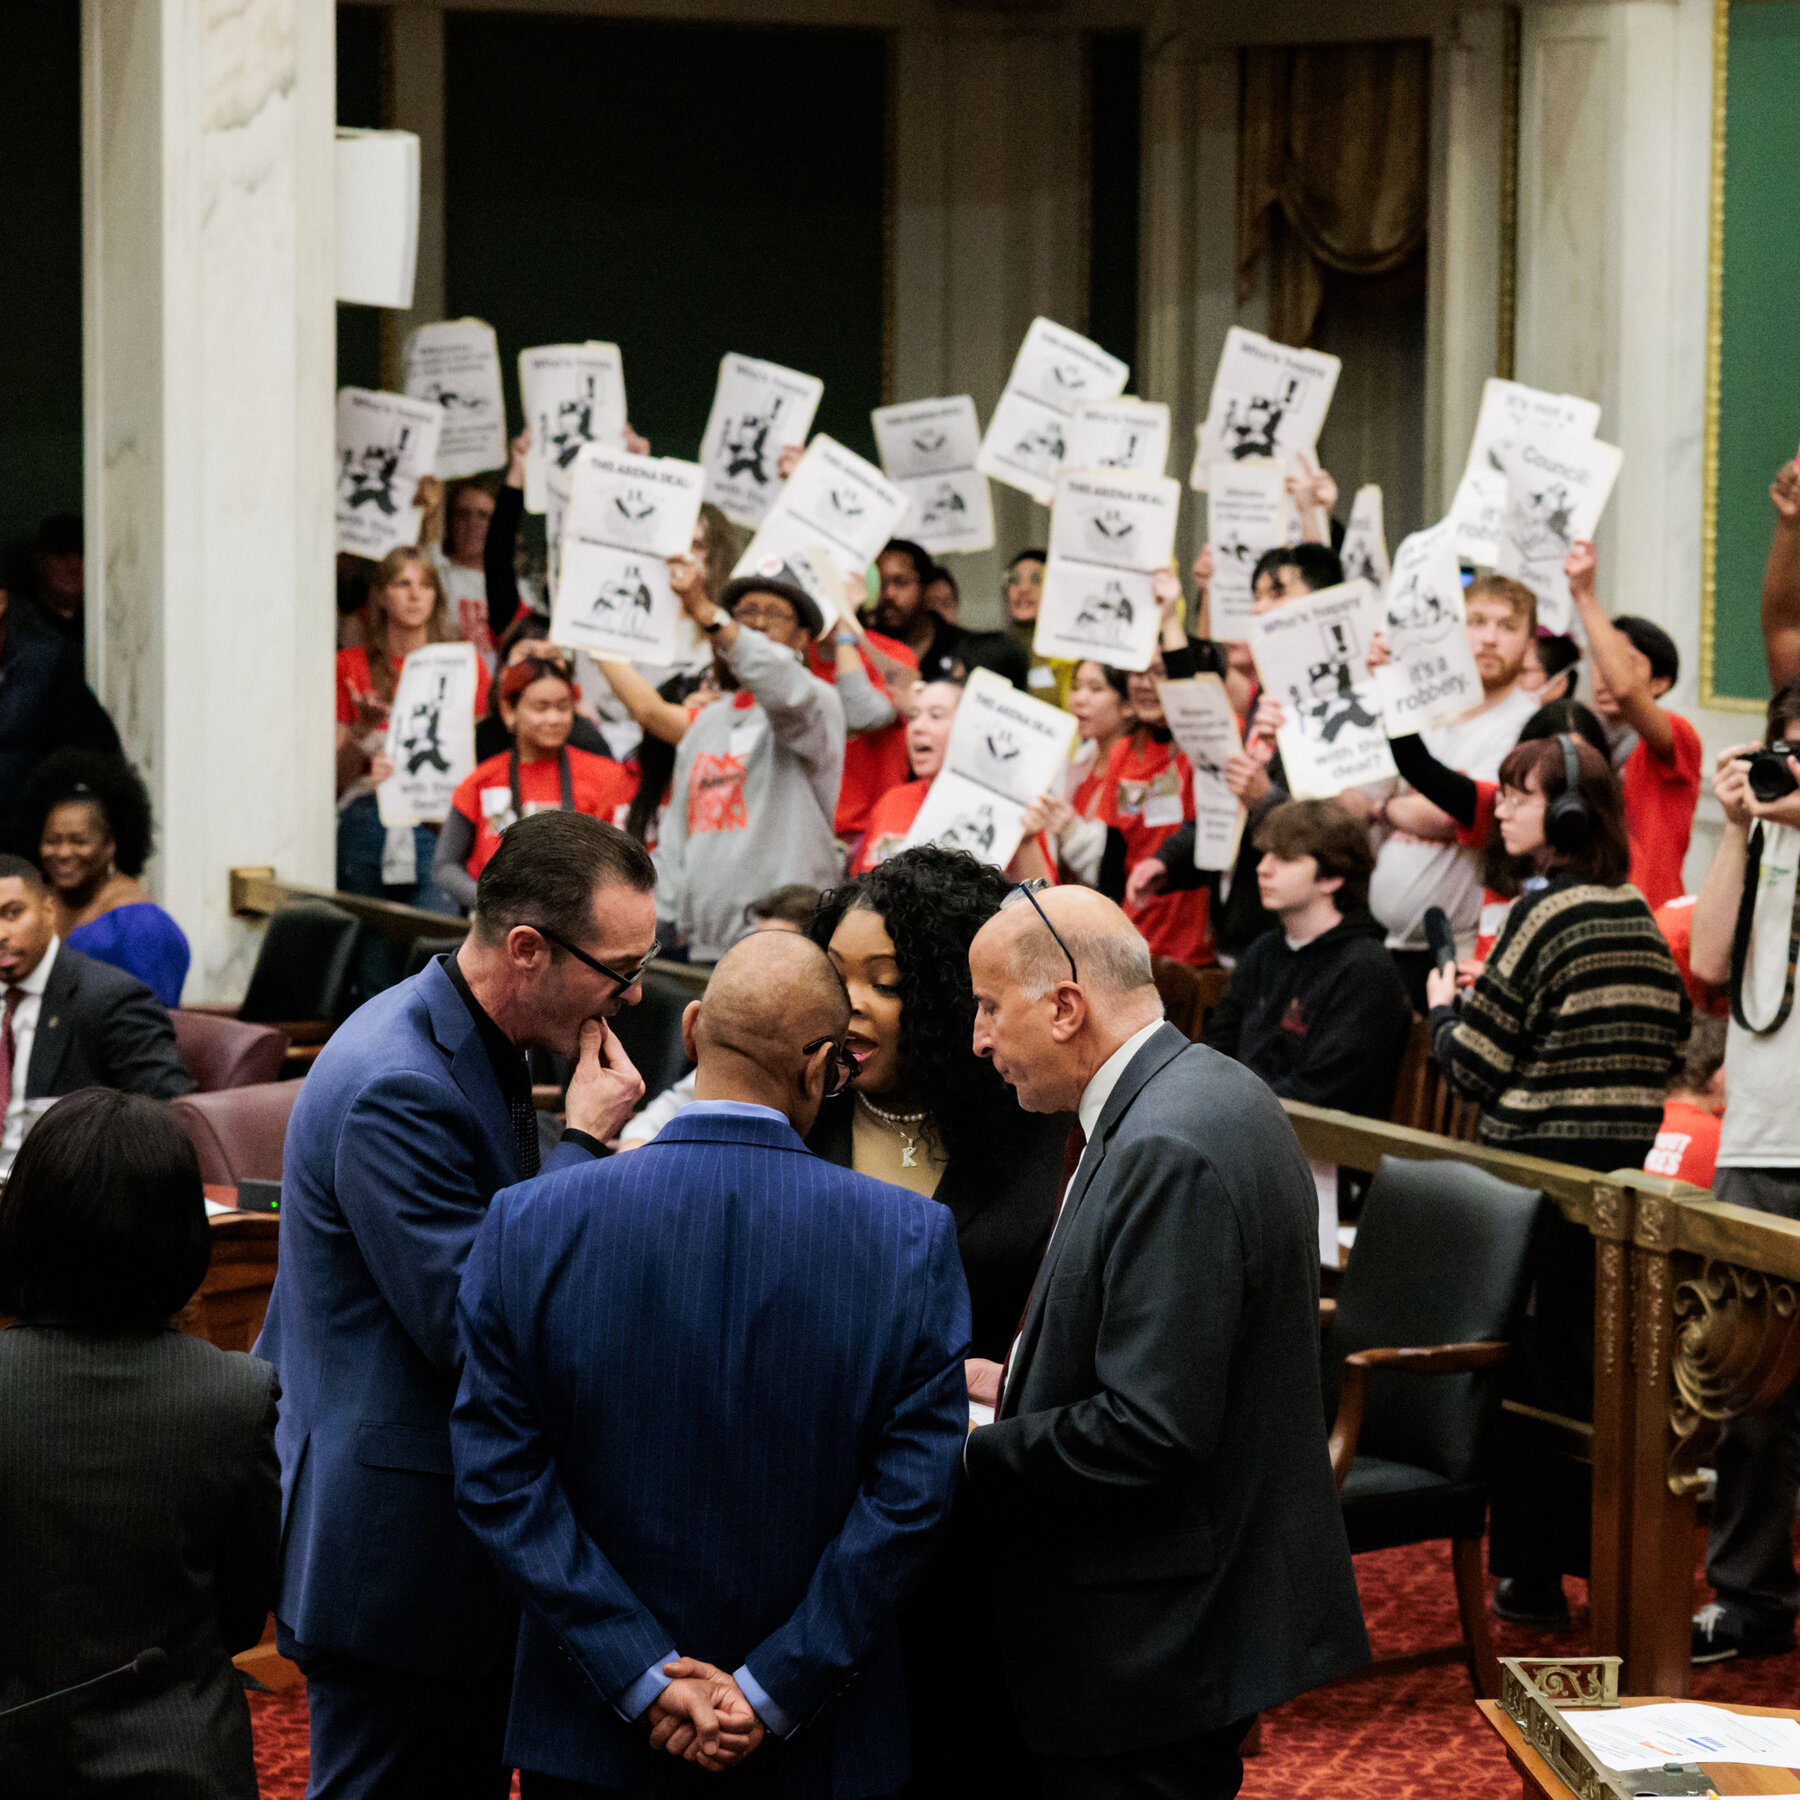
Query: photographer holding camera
(1746, 930)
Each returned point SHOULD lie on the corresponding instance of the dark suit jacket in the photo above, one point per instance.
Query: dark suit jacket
(139, 1507)
(1168, 1548)
(99, 1027)
(713, 1402)
(398, 1141)
(1003, 1212)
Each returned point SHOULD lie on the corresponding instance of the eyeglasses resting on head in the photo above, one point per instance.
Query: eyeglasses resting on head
(1029, 890)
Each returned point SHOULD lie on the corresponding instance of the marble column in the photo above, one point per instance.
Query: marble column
(209, 371)
(1614, 170)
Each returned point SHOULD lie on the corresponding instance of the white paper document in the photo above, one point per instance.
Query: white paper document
(1312, 656)
(928, 450)
(1433, 677)
(377, 186)
(626, 515)
(1126, 434)
(1246, 516)
(431, 734)
(1364, 553)
(456, 363)
(1509, 411)
(386, 444)
(1268, 399)
(1684, 1731)
(1054, 375)
(1109, 534)
(1206, 730)
(759, 409)
(1005, 749)
(1556, 490)
(835, 501)
(573, 394)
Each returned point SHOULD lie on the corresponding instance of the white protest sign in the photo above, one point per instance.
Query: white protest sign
(759, 409)
(1312, 656)
(377, 185)
(928, 450)
(1433, 677)
(573, 394)
(386, 444)
(1556, 490)
(1109, 534)
(1126, 433)
(1202, 723)
(431, 734)
(457, 364)
(1005, 749)
(834, 501)
(1364, 553)
(1509, 412)
(1056, 372)
(626, 516)
(1246, 516)
(1268, 399)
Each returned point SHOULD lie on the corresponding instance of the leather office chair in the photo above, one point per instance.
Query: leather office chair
(305, 967)
(651, 1030)
(1434, 1286)
(238, 1133)
(227, 1053)
(425, 949)
(1188, 994)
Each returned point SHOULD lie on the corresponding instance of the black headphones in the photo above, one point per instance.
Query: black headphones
(1567, 821)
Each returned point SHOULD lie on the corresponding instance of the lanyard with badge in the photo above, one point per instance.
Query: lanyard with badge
(564, 773)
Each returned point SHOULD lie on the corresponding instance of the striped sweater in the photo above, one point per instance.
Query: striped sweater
(1569, 1035)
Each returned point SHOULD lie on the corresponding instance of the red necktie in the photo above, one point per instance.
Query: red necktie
(13, 996)
(1072, 1149)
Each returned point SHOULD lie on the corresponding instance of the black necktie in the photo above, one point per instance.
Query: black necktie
(524, 1124)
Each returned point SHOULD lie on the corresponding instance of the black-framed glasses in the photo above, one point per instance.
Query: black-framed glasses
(1030, 890)
(593, 962)
(843, 1065)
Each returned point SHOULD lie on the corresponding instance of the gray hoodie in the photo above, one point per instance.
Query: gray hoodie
(752, 798)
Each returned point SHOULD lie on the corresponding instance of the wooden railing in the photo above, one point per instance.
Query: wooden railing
(1696, 1322)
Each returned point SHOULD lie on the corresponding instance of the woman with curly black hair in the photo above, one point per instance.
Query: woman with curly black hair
(89, 814)
(926, 1112)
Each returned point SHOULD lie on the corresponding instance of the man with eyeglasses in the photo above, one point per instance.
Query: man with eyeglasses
(711, 1410)
(756, 780)
(416, 1113)
(1168, 1553)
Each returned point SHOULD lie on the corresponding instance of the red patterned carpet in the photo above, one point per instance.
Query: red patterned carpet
(1404, 1736)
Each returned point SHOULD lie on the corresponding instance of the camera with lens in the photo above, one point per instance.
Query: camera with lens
(1769, 776)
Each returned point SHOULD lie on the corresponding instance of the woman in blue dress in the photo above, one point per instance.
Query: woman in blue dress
(92, 813)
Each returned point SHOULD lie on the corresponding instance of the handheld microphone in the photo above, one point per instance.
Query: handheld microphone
(142, 1667)
(1440, 937)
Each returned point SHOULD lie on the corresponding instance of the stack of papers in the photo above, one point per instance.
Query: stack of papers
(1683, 1731)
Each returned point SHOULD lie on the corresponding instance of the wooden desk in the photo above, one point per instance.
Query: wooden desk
(1537, 1778)
(228, 1310)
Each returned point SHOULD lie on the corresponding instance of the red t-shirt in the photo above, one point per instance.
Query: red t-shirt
(874, 761)
(1675, 919)
(1687, 1144)
(357, 701)
(600, 786)
(1148, 792)
(891, 818)
(1659, 811)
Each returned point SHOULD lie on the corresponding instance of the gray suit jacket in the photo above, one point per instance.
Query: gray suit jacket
(140, 1506)
(1168, 1551)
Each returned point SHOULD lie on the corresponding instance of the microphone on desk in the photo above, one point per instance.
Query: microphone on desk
(1440, 937)
(142, 1667)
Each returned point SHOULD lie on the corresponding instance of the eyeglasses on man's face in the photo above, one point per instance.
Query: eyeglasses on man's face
(1030, 890)
(624, 978)
(842, 1068)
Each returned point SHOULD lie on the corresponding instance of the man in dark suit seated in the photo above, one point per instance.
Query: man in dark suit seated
(418, 1109)
(67, 1021)
(1168, 1552)
(712, 1404)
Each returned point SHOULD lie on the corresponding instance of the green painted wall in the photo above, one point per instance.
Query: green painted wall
(40, 297)
(683, 191)
(1759, 366)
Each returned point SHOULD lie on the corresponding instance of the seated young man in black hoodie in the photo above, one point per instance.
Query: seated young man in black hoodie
(1316, 1006)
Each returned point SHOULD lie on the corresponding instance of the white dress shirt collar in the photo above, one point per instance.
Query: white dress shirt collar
(39, 978)
(1100, 1085)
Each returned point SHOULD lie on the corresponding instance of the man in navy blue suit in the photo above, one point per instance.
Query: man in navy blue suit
(417, 1110)
(711, 1413)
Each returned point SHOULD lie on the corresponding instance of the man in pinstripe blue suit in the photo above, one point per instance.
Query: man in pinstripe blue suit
(709, 1425)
